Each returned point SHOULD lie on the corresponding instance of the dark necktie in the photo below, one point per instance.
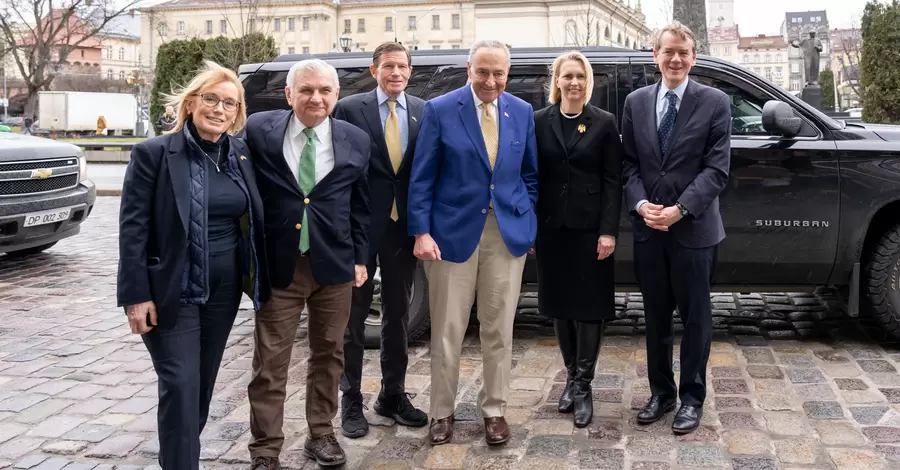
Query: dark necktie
(668, 122)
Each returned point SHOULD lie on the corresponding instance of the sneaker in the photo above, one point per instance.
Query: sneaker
(353, 422)
(325, 451)
(400, 409)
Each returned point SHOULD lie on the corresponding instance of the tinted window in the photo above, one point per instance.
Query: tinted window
(529, 83)
(355, 80)
(604, 94)
(419, 80)
(264, 91)
(448, 79)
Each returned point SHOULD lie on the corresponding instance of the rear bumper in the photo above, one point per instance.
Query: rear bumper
(13, 236)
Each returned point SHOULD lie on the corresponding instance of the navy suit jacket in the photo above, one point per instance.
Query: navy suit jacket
(695, 169)
(361, 110)
(338, 208)
(452, 184)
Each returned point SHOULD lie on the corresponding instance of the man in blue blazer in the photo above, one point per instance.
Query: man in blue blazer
(472, 194)
(312, 178)
(391, 117)
(677, 141)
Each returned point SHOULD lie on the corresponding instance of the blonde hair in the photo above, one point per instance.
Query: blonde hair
(679, 30)
(555, 94)
(210, 74)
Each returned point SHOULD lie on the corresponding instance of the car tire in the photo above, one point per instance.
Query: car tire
(882, 281)
(31, 251)
(419, 316)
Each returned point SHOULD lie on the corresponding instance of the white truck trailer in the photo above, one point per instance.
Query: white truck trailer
(76, 112)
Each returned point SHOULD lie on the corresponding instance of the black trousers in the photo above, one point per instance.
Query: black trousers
(187, 358)
(398, 267)
(669, 275)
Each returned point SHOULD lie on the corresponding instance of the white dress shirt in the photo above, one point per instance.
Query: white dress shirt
(295, 140)
(478, 111)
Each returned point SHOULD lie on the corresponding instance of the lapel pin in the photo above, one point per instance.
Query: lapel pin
(414, 119)
(582, 128)
(243, 157)
(505, 114)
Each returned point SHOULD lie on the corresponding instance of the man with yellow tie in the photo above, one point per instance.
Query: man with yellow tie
(472, 193)
(391, 118)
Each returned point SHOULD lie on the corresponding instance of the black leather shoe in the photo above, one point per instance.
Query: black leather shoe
(655, 409)
(567, 399)
(687, 419)
(400, 409)
(584, 405)
(353, 422)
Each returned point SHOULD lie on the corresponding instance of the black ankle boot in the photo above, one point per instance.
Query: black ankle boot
(590, 336)
(568, 342)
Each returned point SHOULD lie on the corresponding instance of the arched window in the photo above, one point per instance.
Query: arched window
(597, 34)
(607, 34)
(619, 38)
(571, 32)
(627, 42)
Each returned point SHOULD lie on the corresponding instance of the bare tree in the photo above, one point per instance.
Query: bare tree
(849, 47)
(42, 33)
(583, 27)
(692, 13)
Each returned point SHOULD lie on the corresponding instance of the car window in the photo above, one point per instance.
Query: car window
(529, 82)
(746, 104)
(355, 80)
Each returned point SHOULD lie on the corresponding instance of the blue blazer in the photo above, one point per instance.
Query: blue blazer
(452, 185)
(693, 172)
(338, 209)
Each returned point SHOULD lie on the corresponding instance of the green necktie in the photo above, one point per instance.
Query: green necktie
(307, 180)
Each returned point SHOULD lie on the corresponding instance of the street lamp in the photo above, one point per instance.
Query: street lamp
(345, 40)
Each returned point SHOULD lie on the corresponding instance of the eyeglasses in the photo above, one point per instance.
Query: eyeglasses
(211, 101)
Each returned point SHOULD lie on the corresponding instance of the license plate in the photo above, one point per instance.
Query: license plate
(47, 217)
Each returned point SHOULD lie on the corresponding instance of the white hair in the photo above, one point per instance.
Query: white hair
(318, 66)
(488, 43)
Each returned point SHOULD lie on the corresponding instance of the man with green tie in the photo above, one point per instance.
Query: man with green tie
(391, 118)
(312, 176)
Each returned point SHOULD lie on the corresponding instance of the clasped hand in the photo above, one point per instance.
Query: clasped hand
(658, 217)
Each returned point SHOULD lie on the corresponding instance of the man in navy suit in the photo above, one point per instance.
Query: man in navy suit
(391, 117)
(471, 208)
(312, 177)
(677, 141)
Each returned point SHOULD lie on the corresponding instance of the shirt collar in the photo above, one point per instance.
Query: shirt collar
(382, 97)
(478, 101)
(679, 90)
(323, 130)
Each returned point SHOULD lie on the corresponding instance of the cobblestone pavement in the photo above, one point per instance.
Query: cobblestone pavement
(791, 385)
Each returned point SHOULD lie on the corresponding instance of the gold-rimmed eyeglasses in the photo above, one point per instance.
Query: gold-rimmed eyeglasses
(211, 101)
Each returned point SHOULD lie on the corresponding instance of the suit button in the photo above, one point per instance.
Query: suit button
(484, 211)
(565, 186)
(662, 173)
(492, 187)
(298, 226)
(306, 200)
(566, 161)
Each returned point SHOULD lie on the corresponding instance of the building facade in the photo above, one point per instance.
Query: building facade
(724, 42)
(121, 44)
(796, 27)
(317, 26)
(721, 13)
(767, 56)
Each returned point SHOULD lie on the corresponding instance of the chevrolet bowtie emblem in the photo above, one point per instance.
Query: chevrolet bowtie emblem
(42, 173)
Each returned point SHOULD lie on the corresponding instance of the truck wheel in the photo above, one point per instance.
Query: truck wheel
(419, 316)
(31, 251)
(883, 281)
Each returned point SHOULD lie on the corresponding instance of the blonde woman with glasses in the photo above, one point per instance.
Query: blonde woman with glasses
(190, 243)
(579, 198)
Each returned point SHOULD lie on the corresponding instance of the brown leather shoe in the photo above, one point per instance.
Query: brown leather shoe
(325, 450)
(441, 430)
(265, 463)
(496, 431)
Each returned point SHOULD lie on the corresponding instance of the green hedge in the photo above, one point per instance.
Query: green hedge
(179, 60)
(880, 62)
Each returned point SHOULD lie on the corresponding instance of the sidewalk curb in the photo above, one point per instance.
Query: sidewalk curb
(109, 192)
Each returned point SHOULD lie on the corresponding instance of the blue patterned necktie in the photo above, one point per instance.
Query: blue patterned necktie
(668, 122)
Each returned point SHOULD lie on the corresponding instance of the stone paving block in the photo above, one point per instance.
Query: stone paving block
(765, 372)
(746, 442)
(823, 410)
(56, 426)
(788, 424)
(796, 451)
(801, 375)
(549, 446)
(53, 463)
(847, 459)
(753, 463)
(838, 433)
(700, 455)
(649, 446)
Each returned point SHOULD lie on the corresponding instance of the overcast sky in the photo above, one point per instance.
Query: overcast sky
(753, 16)
(765, 16)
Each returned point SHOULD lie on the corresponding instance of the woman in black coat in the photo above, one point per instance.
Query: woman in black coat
(579, 199)
(190, 243)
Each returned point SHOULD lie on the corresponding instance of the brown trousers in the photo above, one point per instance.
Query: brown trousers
(276, 328)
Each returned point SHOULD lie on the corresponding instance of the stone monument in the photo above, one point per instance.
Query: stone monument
(811, 47)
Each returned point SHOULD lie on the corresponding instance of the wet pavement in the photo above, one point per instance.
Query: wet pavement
(792, 382)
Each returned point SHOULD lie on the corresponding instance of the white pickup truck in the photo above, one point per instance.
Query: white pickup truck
(44, 193)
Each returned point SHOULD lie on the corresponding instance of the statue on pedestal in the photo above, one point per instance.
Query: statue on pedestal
(811, 48)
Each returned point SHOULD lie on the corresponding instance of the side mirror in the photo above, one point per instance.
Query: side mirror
(778, 117)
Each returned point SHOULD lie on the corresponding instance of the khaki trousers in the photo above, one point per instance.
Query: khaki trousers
(497, 277)
(276, 328)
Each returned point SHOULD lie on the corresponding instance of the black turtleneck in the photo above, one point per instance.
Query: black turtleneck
(227, 202)
(568, 127)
